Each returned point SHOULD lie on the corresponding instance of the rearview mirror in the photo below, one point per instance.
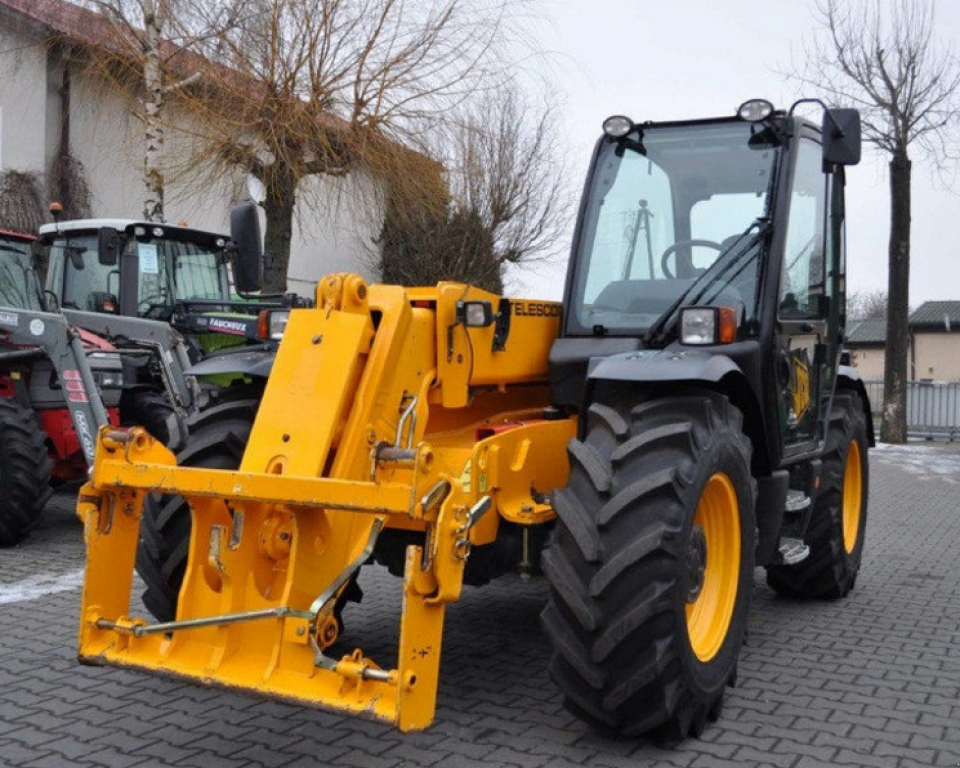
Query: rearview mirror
(108, 246)
(246, 251)
(841, 136)
(75, 254)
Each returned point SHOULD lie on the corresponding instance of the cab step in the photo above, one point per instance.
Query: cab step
(797, 501)
(793, 551)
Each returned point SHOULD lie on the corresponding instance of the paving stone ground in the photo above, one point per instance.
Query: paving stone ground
(873, 680)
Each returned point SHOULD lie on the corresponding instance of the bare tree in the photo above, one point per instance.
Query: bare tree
(504, 199)
(867, 305)
(887, 60)
(325, 87)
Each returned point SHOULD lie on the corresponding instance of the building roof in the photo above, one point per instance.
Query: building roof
(67, 19)
(943, 315)
(861, 332)
(93, 30)
(90, 31)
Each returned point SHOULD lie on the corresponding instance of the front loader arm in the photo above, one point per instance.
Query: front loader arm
(166, 344)
(60, 342)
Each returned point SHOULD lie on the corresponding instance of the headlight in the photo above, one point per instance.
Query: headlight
(708, 325)
(278, 324)
(272, 323)
(108, 379)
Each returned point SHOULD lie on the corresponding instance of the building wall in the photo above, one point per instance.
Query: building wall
(23, 92)
(335, 227)
(868, 362)
(336, 219)
(937, 356)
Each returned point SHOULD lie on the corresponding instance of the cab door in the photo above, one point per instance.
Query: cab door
(803, 369)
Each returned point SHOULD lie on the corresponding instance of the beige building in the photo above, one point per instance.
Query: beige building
(44, 101)
(866, 340)
(935, 341)
(934, 353)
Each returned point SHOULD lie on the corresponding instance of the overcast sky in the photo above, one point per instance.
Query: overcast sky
(675, 59)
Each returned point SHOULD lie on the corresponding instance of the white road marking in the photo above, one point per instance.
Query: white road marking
(39, 586)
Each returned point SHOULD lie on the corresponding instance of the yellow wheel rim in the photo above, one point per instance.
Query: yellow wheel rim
(714, 560)
(852, 497)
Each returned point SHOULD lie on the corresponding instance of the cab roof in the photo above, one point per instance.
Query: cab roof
(78, 226)
(22, 237)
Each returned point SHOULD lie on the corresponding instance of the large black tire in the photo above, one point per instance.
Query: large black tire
(153, 411)
(25, 468)
(835, 539)
(217, 438)
(622, 568)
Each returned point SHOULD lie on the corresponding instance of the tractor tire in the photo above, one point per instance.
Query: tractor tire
(152, 411)
(839, 517)
(217, 438)
(651, 568)
(25, 468)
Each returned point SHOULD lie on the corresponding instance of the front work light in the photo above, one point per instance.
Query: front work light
(475, 314)
(617, 126)
(701, 326)
(108, 379)
(755, 110)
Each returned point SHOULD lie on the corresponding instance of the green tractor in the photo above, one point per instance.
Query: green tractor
(136, 269)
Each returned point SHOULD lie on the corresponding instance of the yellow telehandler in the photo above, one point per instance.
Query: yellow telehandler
(682, 417)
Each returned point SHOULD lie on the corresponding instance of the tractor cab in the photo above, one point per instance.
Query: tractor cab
(206, 285)
(19, 287)
(134, 268)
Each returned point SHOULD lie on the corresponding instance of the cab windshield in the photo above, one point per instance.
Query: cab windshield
(19, 288)
(665, 203)
(169, 270)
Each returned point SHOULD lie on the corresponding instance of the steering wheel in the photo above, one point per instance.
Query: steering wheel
(152, 310)
(679, 244)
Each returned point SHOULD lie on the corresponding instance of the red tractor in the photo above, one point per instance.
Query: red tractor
(39, 444)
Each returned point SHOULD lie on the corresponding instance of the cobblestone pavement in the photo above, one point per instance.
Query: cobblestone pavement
(873, 680)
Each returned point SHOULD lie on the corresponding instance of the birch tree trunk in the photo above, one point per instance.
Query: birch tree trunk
(153, 18)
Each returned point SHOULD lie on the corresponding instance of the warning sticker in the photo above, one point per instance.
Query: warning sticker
(465, 477)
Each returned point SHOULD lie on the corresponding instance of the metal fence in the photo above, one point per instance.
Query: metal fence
(933, 408)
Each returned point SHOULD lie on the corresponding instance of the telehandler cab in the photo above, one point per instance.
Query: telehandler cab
(686, 419)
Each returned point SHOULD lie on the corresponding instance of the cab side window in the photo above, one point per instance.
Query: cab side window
(803, 279)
